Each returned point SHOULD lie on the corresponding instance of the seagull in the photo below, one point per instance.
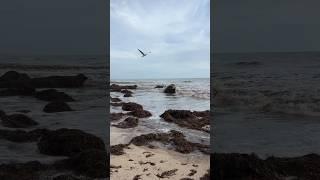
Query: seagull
(143, 54)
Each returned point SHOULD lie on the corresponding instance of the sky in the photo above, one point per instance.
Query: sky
(176, 32)
(53, 27)
(266, 25)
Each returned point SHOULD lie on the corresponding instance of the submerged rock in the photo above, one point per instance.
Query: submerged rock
(171, 89)
(68, 142)
(53, 95)
(16, 120)
(58, 106)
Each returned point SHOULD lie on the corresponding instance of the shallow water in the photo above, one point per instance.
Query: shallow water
(192, 94)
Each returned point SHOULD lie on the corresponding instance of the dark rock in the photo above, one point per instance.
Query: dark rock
(159, 86)
(16, 120)
(127, 95)
(184, 118)
(59, 81)
(175, 138)
(118, 149)
(67, 142)
(91, 163)
(115, 100)
(140, 113)
(56, 107)
(130, 106)
(170, 89)
(116, 116)
(129, 122)
(53, 95)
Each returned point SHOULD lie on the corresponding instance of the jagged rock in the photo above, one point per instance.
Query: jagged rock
(68, 142)
(171, 89)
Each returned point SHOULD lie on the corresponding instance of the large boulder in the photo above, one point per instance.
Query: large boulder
(59, 81)
(130, 106)
(171, 89)
(57, 106)
(53, 95)
(16, 120)
(68, 142)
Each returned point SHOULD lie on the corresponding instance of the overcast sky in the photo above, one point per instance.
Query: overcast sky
(177, 32)
(266, 25)
(53, 26)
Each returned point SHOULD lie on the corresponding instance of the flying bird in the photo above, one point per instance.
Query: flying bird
(143, 54)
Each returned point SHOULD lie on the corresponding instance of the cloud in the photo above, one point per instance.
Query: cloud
(175, 31)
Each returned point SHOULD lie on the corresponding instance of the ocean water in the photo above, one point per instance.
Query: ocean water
(192, 94)
(267, 103)
(90, 105)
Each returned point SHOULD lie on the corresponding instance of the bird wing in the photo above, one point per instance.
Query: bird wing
(141, 52)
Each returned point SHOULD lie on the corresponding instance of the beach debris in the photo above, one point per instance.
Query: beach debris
(16, 120)
(67, 142)
(129, 122)
(167, 174)
(53, 95)
(171, 89)
(192, 172)
(56, 106)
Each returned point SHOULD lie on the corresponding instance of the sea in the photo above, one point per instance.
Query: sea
(90, 112)
(266, 103)
(192, 94)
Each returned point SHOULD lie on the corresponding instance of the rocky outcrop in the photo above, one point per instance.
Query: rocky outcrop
(171, 89)
(16, 120)
(68, 142)
(129, 122)
(57, 106)
(194, 120)
(53, 95)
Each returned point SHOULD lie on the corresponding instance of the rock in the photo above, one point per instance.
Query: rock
(56, 107)
(184, 118)
(53, 95)
(22, 91)
(118, 149)
(140, 113)
(16, 120)
(175, 138)
(68, 142)
(129, 122)
(116, 116)
(115, 100)
(91, 163)
(130, 106)
(170, 89)
(159, 86)
(127, 95)
(59, 81)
